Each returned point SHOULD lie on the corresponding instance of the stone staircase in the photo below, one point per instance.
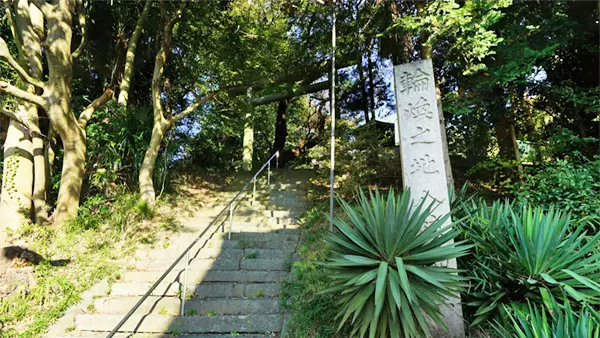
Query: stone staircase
(233, 284)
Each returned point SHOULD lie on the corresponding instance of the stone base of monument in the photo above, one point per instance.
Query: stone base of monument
(452, 316)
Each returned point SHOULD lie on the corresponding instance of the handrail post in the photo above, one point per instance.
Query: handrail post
(254, 190)
(269, 174)
(230, 219)
(277, 160)
(187, 267)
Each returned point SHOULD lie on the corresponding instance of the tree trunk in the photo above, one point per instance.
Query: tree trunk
(146, 180)
(30, 22)
(15, 204)
(513, 137)
(49, 157)
(58, 96)
(248, 142)
(364, 99)
(56, 99)
(161, 124)
(39, 178)
(73, 169)
(513, 133)
(371, 83)
(502, 124)
(280, 129)
(130, 58)
(26, 26)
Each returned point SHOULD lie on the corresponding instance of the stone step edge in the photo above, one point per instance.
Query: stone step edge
(171, 324)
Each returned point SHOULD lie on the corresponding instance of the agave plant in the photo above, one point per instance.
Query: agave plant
(527, 254)
(554, 321)
(384, 266)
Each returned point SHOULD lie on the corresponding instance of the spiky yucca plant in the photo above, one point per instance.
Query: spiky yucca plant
(549, 321)
(384, 268)
(528, 254)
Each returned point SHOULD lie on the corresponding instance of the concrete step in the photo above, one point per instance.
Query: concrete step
(215, 253)
(250, 244)
(242, 211)
(211, 275)
(186, 324)
(196, 307)
(87, 334)
(218, 243)
(203, 290)
(254, 263)
(275, 237)
(195, 253)
(284, 254)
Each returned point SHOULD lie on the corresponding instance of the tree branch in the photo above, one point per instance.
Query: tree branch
(82, 27)
(13, 116)
(288, 94)
(43, 5)
(86, 114)
(22, 94)
(17, 118)
(5, 55)
(192, 107)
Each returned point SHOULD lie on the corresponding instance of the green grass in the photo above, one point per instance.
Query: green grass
(191, 312)
(259, 294)
(312, 313)
(162, 311)
(91, 244)
(91, 308)
(252, 255)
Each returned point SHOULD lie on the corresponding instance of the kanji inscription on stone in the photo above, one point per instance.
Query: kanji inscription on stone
(421, 149)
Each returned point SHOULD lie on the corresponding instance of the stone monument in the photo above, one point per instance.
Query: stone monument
(422, 154)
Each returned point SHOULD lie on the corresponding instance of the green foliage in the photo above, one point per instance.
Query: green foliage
(384, 267)
(365, 155)
(564, 143)
(90, 244)
(118, 213)
(312, 312)
(528, 254)
(116, 141)
(191, 312)
(564, 185)
(469, 26)
(550, 321)
(496, 173)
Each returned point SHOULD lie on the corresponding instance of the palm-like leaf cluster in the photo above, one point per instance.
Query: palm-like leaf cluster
(527, 255)
(549, 321)
(384, 266)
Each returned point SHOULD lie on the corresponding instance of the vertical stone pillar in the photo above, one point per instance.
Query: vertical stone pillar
(248, 140)
(422, 154)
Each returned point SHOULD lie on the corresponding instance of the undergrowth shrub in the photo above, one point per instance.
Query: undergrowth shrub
(365, 156)
(549, 321)
(385, 269)
(116, 142)
(565, 185)
(75, 257)
(312, 312)
(117, 212)
(526, 254)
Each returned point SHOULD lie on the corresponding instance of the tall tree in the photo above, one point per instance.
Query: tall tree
(55, 98)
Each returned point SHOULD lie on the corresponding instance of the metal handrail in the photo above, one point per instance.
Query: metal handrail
(186, 252)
